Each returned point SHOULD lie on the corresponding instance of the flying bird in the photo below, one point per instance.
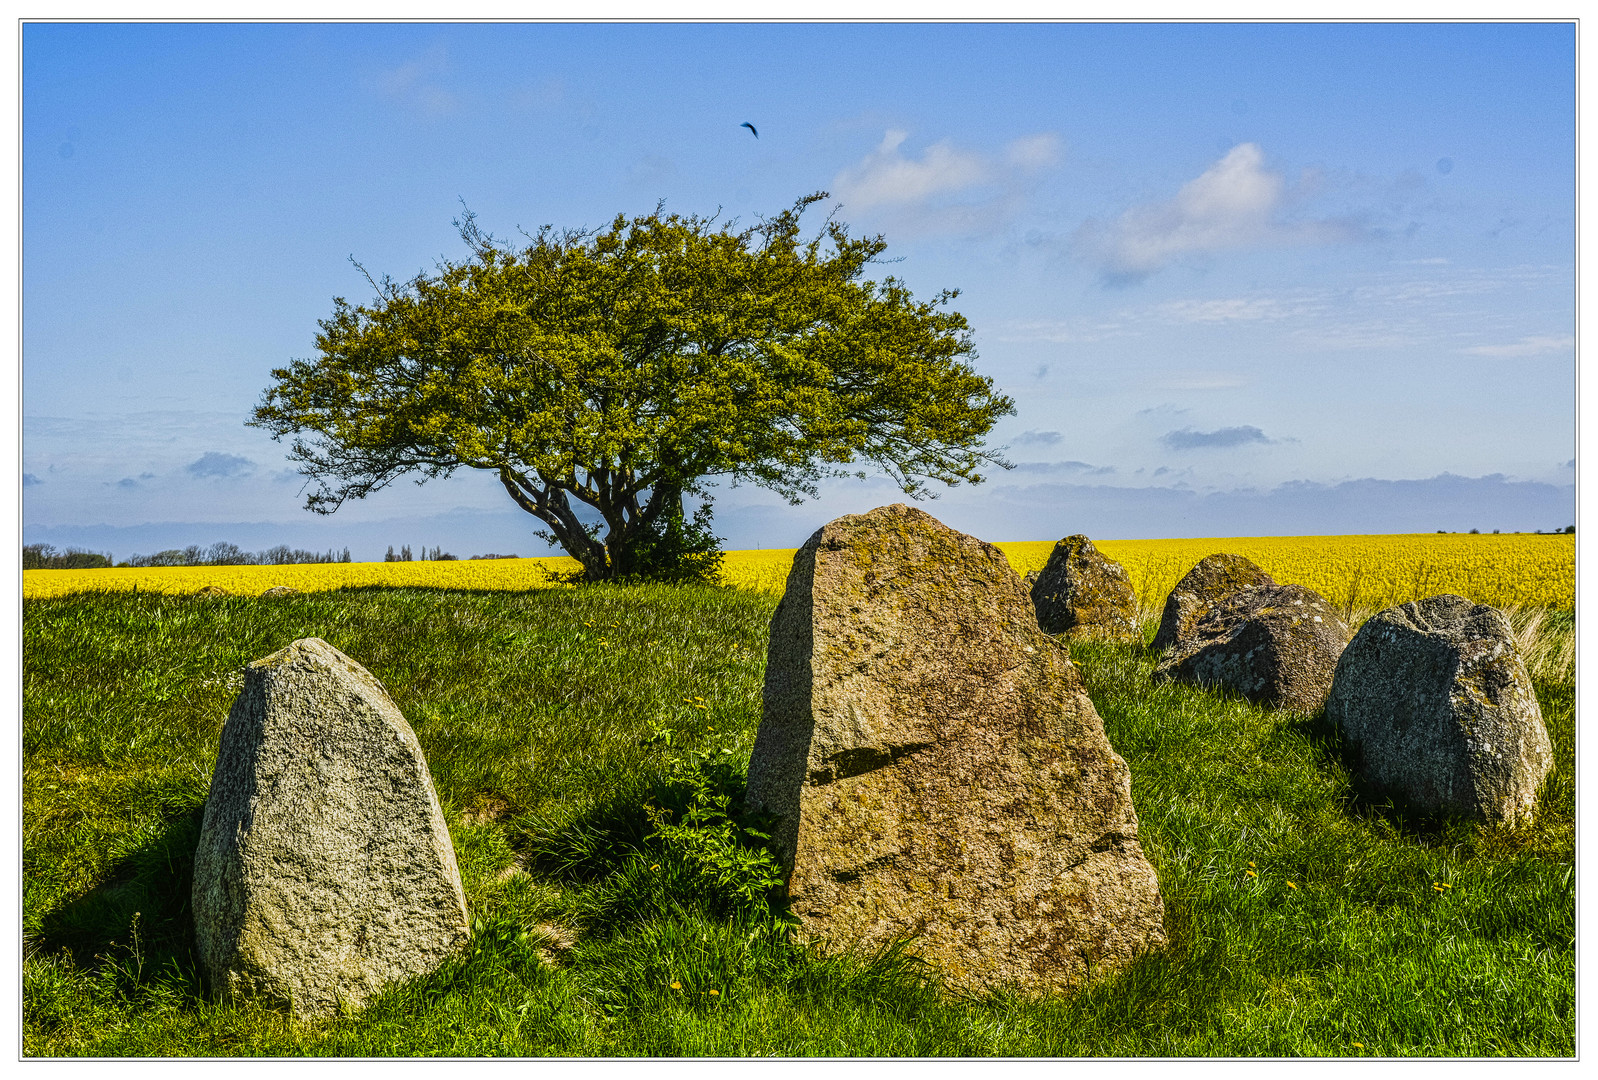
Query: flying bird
(751, 128)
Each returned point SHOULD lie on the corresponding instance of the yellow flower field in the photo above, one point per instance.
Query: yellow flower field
(1355, 572)
(1351, 571)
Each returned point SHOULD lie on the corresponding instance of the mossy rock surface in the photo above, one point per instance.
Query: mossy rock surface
(1277, 645)
(938, 771)
(1435, 701)
(1211, 580)
(1082, 593)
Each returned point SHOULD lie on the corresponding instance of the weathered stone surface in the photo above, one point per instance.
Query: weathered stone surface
(1080, 592)
(324, 870)
(280, 590)
(1211, 579)
(1433, 699)
(937, 769)
(1275, 644)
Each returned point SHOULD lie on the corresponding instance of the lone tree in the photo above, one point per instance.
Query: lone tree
(622, 367)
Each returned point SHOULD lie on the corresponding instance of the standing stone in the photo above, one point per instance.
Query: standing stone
(936, 768)
(1275, 644)
(1211, 579)
(1434, 700)
(1080, 592)
(324, 871)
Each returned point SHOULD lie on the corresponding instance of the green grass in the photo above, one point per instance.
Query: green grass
(553, 721)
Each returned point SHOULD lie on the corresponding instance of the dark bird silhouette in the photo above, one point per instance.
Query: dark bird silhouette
(751, 128)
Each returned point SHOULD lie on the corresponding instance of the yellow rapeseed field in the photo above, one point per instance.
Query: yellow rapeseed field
(1352, 572)
(1359, 572)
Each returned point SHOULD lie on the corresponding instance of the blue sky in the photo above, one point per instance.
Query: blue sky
(1240, 279)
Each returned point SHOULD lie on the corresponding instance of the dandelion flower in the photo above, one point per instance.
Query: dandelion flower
(655, 867)
(1251, 873)
(715, 993)
(1290, 885)
(1251, 865)
(1359, 1046)
(676, 985)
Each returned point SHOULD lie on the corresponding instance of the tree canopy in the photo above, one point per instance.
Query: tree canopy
(620, 368)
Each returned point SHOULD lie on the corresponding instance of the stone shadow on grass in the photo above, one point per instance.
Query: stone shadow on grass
(1365, 801)
(138, 916)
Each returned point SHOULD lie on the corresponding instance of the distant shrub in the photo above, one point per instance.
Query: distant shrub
(46, 557)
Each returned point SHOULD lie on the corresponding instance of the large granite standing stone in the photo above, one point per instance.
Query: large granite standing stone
(1275, 644)
(324, 870)
(1434, 700)
(1214, 577)
(1080, 592)
(936, 768)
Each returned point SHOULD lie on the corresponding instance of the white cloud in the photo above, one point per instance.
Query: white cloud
(890, 179)
(1527, 346)
(1235, 203)
(887, 177)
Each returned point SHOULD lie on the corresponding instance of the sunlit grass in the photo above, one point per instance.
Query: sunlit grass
(553, 719)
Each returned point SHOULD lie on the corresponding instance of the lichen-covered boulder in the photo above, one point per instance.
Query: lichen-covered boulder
(1275, 644)
(1080, 592)
(324, 870)
(1211, 579)
(937, 770)
(1434, 702)
(279, 590)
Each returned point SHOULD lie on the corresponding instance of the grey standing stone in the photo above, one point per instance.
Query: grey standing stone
(1275, 644)
(324, 871)
(1214, 577)
(1080, 592)
(1435, 702)
(937, 769)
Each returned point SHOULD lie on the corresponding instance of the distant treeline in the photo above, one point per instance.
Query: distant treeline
(436, 555)
(46, 557)
(222, 553)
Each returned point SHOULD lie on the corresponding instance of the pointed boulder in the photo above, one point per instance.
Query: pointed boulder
(1213, 578)
(324, 871)
(936, 769)
(1082, 593)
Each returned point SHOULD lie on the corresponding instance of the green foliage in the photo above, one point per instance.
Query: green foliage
(724, 855)
(601, 932)
(618, 368)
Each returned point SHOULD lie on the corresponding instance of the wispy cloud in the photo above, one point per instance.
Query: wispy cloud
(1234, 309)
(1046, 438)
(1189, 439)
(1236, 203)
(28, 479)
(945, 187)
(1200, 380)
(416, 83)
(1073, 468)
(214, 464)
(1527, 346)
